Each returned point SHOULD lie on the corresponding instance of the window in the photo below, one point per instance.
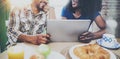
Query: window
(58, 5)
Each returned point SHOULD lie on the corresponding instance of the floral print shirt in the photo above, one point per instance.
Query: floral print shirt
(26, 22)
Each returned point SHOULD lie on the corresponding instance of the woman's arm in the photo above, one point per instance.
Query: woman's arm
(88, 36)
(102, 25)
(64, 14)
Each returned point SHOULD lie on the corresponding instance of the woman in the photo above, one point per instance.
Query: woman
(86, 9)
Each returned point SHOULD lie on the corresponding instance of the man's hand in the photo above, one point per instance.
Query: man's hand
(34, 39)
(42, 38)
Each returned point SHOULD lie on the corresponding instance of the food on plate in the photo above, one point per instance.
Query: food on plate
(37, 56)
(91, 51)
(44, 49)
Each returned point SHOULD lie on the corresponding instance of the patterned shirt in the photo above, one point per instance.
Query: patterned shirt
(26, 22)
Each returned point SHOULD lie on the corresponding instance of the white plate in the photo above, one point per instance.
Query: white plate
(31, 50)
(52, 55)
(73, 56)
(55, 55)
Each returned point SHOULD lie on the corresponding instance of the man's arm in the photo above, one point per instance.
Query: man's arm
(14, 34)
(12, 30)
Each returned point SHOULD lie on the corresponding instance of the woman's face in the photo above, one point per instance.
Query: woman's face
(74, 3)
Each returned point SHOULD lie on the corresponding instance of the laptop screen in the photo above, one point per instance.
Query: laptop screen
(66, 30)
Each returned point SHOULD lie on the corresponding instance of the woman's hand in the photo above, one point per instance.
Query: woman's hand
(86, 37)
(77, 14)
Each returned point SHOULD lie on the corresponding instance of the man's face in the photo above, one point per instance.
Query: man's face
(40, 4)
(74, 3)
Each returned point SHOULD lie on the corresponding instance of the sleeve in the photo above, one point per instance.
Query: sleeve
(95, 15)
(64, 12)
(12, 30)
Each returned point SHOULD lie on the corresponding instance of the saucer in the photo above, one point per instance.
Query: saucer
(116, 45)
(55, 55)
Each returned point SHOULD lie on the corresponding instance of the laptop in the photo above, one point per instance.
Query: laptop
(66, 30)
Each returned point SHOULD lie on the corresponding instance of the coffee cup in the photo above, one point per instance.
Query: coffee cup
(109, 41)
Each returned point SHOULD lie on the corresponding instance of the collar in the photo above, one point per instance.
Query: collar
(29, 8)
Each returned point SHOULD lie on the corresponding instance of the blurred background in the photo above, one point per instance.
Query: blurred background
(110, 12)
(4, 13)
(5, 7)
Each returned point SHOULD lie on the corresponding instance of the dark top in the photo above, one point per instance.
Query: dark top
(69, 15)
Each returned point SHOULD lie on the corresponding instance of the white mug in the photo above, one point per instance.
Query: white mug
(108, 40)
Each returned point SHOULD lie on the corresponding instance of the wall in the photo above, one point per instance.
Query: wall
(3, 16)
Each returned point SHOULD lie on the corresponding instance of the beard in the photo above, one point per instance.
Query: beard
(39, 8)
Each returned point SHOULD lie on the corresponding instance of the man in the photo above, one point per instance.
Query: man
(28, 24)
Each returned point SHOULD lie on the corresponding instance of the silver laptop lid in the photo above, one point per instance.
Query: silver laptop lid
(66, 30)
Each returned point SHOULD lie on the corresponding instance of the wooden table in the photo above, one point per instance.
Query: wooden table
(61, 47)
